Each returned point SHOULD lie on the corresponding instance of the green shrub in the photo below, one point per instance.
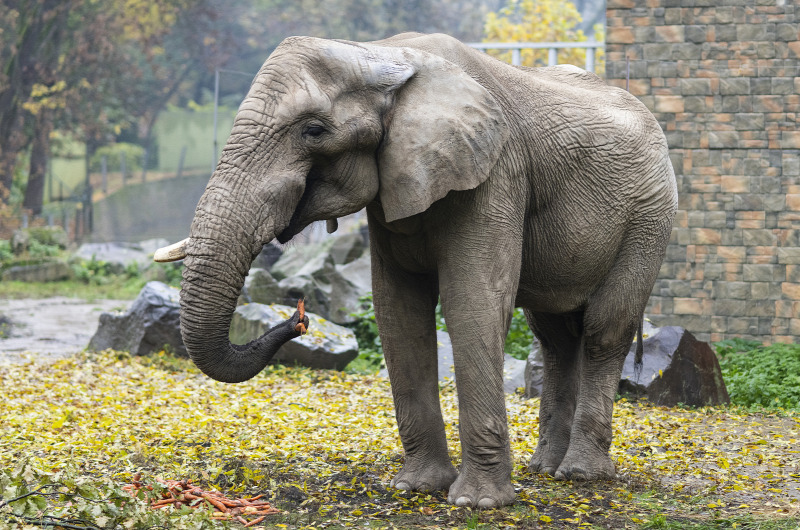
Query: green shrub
(42, 250)
(761, 376)
(133, 154)
(5, 250)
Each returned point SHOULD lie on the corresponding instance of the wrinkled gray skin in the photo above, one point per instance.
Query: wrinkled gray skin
(488, 185)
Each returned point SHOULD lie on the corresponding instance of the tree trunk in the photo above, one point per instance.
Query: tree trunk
(40, 150)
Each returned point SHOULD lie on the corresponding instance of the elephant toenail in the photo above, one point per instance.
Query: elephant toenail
(560, 475)
(463, 501)
(403, 485)
(487, 502)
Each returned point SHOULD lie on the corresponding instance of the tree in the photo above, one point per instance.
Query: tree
(539, 21)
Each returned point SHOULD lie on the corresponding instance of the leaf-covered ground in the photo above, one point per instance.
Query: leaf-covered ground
(322, 447)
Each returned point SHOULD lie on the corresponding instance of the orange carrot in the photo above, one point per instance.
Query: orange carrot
(301, 308)
(218, 505)
(255, 521)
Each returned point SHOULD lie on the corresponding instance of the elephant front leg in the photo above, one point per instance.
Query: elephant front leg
(478, 325)
(405, 307)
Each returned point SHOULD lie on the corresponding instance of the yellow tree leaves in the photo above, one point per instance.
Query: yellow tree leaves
(539, 21)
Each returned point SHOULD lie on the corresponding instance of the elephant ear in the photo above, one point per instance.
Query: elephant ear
(446, 132)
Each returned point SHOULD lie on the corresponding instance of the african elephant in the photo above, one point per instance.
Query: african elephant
(486, 185)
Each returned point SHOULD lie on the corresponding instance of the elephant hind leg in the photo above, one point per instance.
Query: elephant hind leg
(561, 342)
(611, 318)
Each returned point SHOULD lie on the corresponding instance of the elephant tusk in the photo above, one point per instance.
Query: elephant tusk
(173, 252)
(332, 225)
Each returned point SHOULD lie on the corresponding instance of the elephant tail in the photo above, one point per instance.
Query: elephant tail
(637, 360)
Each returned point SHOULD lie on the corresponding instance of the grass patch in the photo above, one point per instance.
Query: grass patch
(117, 288)
(322, 446)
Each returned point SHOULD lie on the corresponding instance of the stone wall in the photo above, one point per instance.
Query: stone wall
(721, 76)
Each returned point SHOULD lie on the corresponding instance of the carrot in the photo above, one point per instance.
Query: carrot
(255, 521)
(218, 505)
(165, 502)
(251, 499)
(241, 519)
(301, 308)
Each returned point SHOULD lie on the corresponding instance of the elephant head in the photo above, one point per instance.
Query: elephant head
(326, 128)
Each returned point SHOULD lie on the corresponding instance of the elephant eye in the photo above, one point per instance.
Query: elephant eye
(313, 130)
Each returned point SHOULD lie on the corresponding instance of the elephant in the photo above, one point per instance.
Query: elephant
(487, 186)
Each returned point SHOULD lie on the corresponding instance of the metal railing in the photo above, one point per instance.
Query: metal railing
(551, 47)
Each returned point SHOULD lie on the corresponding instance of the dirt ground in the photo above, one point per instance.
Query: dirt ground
(50, 328)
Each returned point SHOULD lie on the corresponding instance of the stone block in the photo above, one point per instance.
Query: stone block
(696, 104)
(789, 256)
(731, 291)
(687, 306)
(782, 85)
(787, 32)
(793, 201)
(706, 236)
(761, 238)
(734, 184)
(725, 33)
(757, 273)
(749, 121)
(755, 32)
(672, 104)
(670, 33)
(791, 290)
(723, 139)
(734, 86)
(657, 52)
(619, 35)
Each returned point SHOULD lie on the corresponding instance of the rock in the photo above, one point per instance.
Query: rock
(689, 370)
(46, 235)
(331, 291)
(151, 323)
(260, 287)
(534, 371)
(20, 241)
(269, 255)
(118, 255)
(325, 346)
(295, 258)
(49, 271)
(347, 248)
(513, 374)
(348, 284)
(677, 368)
(513, 369)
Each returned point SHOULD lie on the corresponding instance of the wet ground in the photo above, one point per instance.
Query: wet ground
(49, 328)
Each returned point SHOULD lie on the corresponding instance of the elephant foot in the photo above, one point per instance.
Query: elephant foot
(425, 476)
(586, 467)
(476, 491)
(546, 459)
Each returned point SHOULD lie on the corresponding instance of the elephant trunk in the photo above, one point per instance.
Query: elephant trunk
(219, 252)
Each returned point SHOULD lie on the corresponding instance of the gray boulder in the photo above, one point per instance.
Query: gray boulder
(331, 291)
(325, 346)
(296, 257)
(152, 322)
(49, 271)
(269, 255)
(347, 248)
(513, 369)
(677, 368)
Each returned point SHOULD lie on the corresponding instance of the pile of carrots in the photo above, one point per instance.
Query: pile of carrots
(181, 493)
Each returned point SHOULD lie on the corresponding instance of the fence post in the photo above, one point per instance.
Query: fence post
(180, 162)
(104, 171)
(122, 167)
(25, 220)
(516, 57)
(590, 59)
(144, 161)
(552, 56)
